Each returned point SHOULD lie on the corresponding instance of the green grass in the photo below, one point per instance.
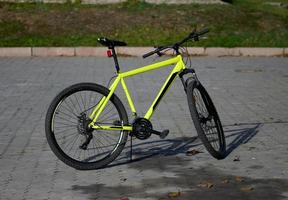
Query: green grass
(243, 23)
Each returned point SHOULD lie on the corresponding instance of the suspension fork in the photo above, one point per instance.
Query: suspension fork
(185, 82)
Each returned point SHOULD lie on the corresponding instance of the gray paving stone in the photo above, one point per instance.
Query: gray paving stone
(251, 95)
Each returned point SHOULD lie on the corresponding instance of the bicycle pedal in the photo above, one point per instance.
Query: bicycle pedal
(164, 134)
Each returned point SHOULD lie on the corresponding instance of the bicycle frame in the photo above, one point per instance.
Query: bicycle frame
(120, 78)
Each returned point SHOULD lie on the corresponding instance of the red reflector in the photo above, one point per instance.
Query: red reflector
(109, 53)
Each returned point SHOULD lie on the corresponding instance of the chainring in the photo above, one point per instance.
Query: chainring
(142, 128)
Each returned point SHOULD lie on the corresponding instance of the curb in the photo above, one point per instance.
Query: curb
(136, 51)
(17, 52)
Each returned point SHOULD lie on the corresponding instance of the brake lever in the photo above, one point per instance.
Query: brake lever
(159, 53)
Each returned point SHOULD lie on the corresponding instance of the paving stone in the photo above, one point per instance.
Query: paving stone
(250, 95)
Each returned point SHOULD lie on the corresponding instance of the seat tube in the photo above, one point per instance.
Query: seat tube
(115, 59)
(129, 99)
(105, 101)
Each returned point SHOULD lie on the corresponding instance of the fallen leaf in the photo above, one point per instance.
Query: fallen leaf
(124, 198)
(247, 189)
(251, 148)
(225, 181)
(193, 152)
(206, 184)
(236, 159)
(239, 179)
(209, 185)
(123, 179)
(174, 194)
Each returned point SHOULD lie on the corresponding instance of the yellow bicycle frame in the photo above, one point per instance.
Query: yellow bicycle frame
(120, 78)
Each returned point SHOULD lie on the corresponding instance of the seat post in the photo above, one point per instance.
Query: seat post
(115, 58)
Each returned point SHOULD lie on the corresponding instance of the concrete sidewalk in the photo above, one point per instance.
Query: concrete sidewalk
(136, 51)
(251, 95)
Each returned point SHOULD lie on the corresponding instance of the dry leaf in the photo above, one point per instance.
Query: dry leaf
(247, 189)
(174, 194)
(206, 184)
(209, 185)
(192, 152)
(237, 158)
(239, 179)
(123, 179)
(225, 181)
(124, 198)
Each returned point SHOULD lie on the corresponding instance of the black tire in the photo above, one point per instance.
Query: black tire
(65, 111)
(206, 119)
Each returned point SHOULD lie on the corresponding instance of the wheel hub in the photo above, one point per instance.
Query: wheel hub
(83, 124)
(84, 129)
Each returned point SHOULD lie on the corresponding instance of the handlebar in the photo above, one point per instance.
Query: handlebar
(194, 35)
(157, 50)
(203, 32)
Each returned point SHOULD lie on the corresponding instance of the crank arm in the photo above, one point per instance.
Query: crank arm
(162, 134)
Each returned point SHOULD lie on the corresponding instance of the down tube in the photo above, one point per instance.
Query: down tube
(162, 92)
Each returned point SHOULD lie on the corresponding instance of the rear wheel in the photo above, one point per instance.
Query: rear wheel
(67, 129)
(206, 119)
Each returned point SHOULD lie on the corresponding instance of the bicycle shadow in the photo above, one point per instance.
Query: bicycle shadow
(242, 136)
(180, 145)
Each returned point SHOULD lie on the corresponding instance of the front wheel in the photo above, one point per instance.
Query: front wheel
(69, 135)
(206, 119)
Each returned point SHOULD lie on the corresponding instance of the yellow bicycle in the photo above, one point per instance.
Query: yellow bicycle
(87, 125)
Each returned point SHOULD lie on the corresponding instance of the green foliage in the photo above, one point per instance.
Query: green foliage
(243, 23)
(12, 27)
(135, 5)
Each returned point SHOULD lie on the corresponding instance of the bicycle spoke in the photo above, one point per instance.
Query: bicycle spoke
(73, 105)
(206, 119)
(66, 120)
(69, 109)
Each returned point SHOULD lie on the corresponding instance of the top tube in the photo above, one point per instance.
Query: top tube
(147, 68)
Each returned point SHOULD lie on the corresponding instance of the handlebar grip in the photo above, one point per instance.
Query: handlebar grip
(202, 32)
(148, 54)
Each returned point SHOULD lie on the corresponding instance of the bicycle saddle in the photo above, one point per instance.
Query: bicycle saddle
(110, 43)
